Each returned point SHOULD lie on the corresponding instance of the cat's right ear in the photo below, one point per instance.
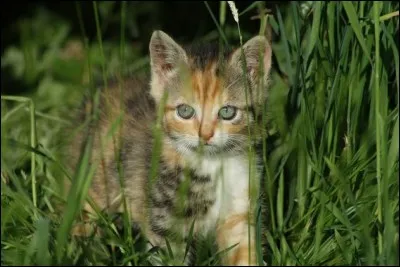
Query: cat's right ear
(165, 54)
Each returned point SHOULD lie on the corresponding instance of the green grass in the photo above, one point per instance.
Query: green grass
(330, 187)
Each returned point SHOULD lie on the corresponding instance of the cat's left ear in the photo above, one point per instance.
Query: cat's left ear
(166, 58)
(165, 54)
(258, 53)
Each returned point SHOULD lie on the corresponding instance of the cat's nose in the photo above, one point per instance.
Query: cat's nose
(206, 135)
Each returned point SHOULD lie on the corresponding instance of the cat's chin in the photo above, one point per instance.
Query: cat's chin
(207, 150)
(202, 150)
(194, 148)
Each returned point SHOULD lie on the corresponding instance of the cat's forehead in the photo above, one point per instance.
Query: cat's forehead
(207, 77)
(206, 85)
(203, 56)
(206, 88)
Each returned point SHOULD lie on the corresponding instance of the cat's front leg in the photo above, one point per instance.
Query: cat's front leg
(236, 231)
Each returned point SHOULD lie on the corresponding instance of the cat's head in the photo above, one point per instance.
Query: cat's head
(211, 96)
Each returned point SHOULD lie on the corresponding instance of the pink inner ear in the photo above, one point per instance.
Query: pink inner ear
(166, 67)
(161, 58)
(254, 63)
(267, 59)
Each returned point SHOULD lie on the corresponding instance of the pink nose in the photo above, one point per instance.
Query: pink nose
(206, 136)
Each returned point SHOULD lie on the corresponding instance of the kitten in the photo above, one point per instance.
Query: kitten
(204, 143)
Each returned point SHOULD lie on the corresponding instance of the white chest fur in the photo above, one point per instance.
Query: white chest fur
(230, 176)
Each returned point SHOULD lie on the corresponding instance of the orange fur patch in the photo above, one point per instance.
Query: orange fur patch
(227, 236)
(233, 220)
(242, 256)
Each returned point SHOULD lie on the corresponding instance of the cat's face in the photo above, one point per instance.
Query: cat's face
(206, 109)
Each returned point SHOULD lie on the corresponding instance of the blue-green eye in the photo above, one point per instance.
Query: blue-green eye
(227, 112)
(185, 111)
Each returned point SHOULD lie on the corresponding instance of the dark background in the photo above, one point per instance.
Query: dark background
(183, 20)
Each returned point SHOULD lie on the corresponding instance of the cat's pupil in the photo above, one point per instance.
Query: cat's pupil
(227, 113)
(185, 111)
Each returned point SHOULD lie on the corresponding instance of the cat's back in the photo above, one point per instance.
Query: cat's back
(125, 110)
(130, 98)
(122, 134)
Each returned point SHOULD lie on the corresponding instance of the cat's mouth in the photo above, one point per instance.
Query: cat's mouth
(202, 146)
(207, 149)
(212, 149)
